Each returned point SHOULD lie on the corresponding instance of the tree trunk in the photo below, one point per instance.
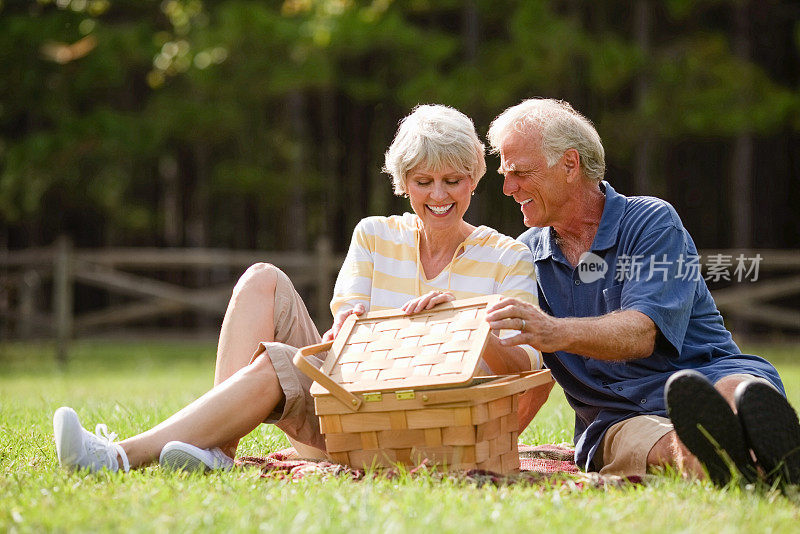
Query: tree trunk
(741, 182)
(170, 201)
(331, 185)
(297, 223)
(197, 227)
(642, 181)
(742, 156)
(470, 37)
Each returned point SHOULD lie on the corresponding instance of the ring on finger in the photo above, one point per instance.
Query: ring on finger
(522, 328)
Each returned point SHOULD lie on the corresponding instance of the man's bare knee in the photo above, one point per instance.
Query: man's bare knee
(664, 452)
(727, 387)
(670, 451)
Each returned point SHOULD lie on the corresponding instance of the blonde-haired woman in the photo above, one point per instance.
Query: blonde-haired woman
(410, 261)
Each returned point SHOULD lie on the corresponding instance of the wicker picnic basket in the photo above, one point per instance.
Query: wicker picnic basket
(401, 389)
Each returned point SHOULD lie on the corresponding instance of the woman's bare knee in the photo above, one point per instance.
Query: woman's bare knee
(259, 278)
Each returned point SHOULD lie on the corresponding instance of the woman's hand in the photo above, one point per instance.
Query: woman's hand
(427, 301)
(339, 320)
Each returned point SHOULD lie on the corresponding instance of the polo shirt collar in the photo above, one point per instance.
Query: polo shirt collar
(614, 209)
(607, 232)
(546, 247)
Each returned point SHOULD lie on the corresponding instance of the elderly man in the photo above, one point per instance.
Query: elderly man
(623, 318)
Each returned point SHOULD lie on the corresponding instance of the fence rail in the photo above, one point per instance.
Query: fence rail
(134, 279)
(25, 274)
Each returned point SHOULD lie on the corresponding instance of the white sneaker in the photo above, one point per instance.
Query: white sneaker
(177, 455)
(78, 448)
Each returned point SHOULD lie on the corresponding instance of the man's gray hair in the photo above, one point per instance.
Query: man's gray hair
(434, 137)
(561, 128)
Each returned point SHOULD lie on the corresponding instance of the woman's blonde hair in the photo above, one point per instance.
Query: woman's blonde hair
(434, 137)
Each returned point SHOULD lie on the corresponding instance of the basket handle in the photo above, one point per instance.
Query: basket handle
(348, 399)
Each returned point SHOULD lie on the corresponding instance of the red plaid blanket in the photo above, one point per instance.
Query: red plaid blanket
(542, 464)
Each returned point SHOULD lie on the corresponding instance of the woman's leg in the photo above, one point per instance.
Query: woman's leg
(530, 403)
(223, 415)
(248, 320)
(244, 395)
(264, 307)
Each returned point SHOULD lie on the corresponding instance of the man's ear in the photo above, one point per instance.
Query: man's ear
(572, 164)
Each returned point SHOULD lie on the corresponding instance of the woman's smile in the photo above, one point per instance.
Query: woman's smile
(440, 210)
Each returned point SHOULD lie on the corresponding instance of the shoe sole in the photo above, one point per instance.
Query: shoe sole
(178, 460)
(772, 430)
(63, 418)
(708, 427)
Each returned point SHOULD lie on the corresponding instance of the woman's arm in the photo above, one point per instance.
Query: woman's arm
(519, 281)
(353, 289)
(503, 359)
(339, 320)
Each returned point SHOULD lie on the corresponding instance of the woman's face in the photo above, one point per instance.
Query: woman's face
(439, 198)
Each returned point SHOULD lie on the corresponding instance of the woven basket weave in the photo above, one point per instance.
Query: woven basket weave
(402, 389)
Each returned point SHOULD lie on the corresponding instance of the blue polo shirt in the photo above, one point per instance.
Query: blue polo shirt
(651, 265)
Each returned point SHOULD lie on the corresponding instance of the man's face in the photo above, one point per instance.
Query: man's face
(539, 190)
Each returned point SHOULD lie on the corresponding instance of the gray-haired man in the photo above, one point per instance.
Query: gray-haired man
(623, 317)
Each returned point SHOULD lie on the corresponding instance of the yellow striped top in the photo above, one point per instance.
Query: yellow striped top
(382, 271)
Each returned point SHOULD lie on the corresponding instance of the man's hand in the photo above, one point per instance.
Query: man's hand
(427, 301)
(616, 336)
(339, 320)
(537, 329)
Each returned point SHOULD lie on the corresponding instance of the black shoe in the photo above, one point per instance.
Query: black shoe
(708, 427)
(772, 430)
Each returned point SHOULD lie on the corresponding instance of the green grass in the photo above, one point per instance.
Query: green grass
(133, 386)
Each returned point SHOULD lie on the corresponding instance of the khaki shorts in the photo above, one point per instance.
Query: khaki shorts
(626, 444)
(293, 329)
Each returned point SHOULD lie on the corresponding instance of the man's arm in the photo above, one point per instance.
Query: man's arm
(620, 335)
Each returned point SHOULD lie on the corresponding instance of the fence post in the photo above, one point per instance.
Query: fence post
(28, 291)
(324, 289)
(62, 296)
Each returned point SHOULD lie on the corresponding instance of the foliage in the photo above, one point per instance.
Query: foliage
(124, 122)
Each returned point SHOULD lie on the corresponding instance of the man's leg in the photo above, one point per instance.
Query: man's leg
(708, 431)
(670, 451)
(635, 445)
(625, 446)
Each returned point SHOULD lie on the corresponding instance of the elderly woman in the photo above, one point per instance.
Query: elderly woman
(413, 261)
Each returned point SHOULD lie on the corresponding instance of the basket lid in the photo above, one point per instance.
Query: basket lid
(389, 350)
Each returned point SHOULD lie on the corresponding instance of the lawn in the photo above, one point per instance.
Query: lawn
(131, 386)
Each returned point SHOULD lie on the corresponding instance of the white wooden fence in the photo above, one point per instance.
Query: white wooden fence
(25, 274)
